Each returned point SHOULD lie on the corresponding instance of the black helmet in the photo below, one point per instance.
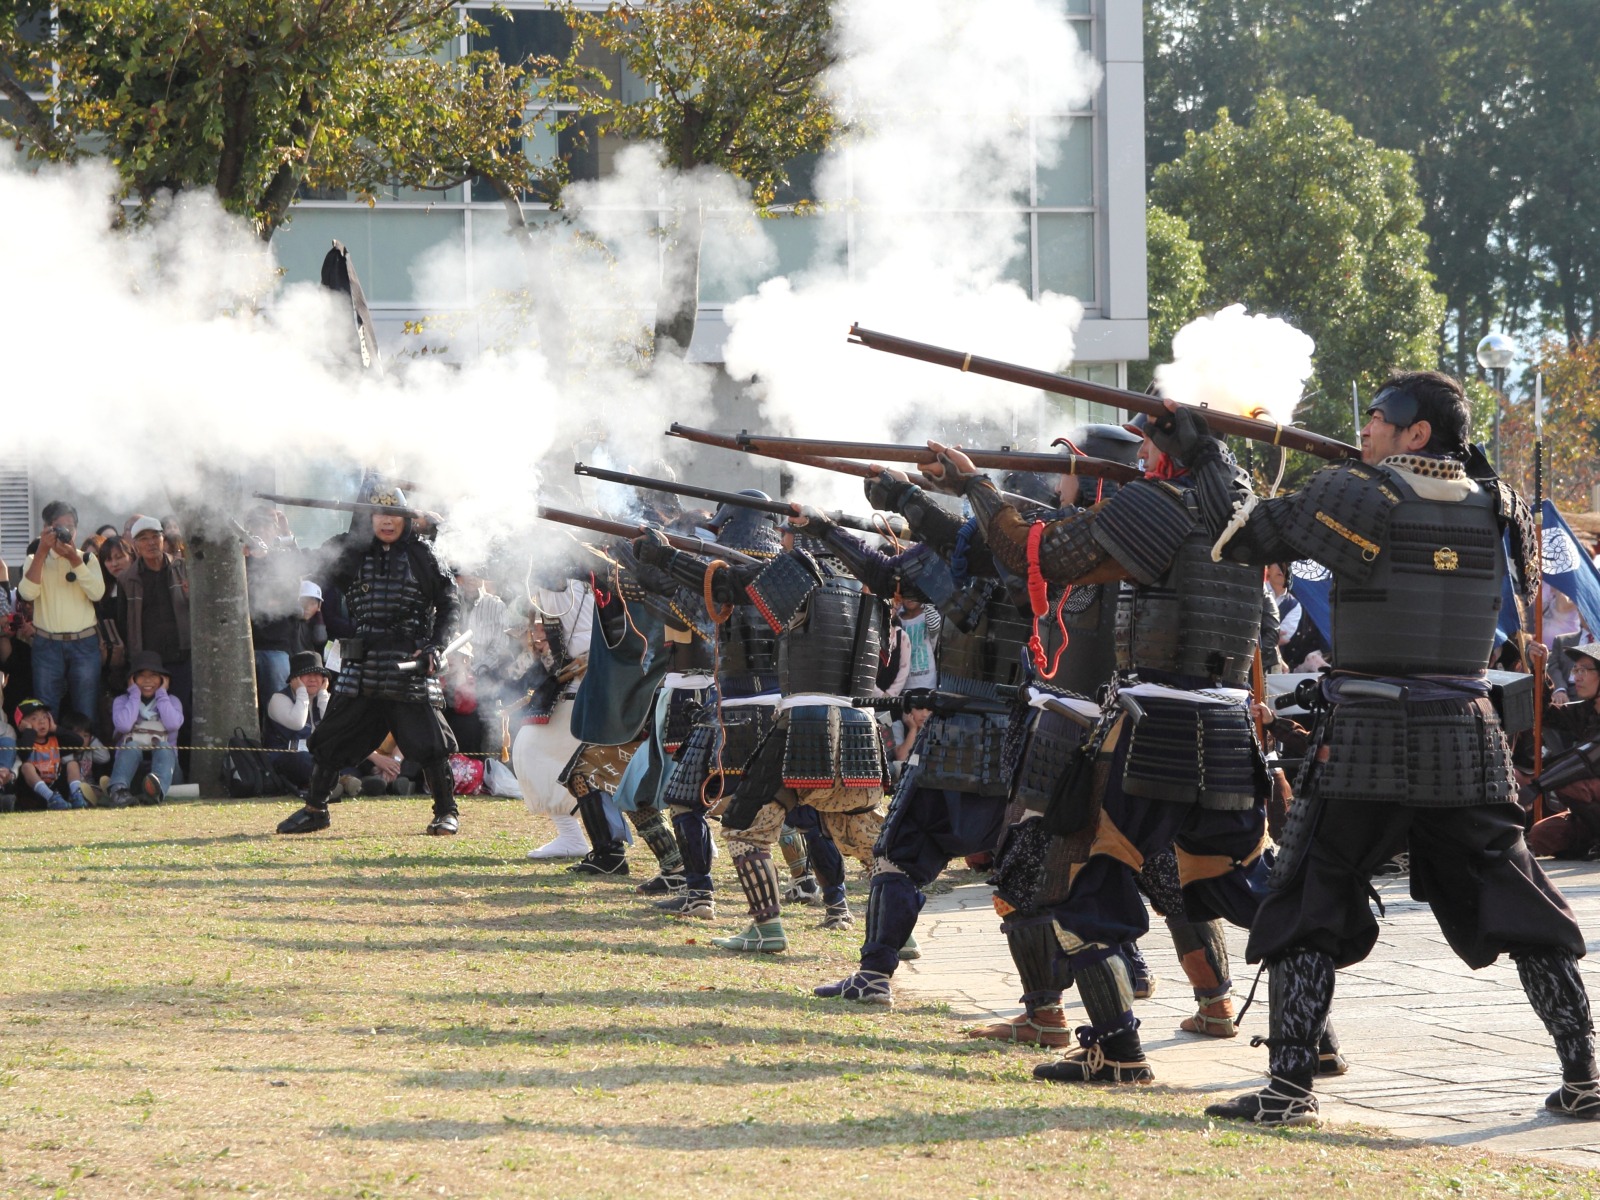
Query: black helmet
(728, 511)
(1112, 442)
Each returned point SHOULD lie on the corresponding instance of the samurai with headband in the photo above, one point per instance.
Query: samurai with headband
(1408, 752)
(404, 604)
(1173, 764)
(821, 751)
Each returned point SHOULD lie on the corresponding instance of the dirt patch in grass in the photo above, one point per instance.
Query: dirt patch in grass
(194, 1006)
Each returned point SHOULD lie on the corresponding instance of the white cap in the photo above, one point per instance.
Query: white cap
(145, 525)
(307, 588)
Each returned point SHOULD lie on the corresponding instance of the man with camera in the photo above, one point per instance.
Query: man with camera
(63, 585)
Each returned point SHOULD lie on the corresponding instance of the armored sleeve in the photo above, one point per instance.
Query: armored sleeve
(1070, 550)
(727, 587)
(918, 571)
(446, 595)
(1338, 518)
(873, 567)
(930, 522)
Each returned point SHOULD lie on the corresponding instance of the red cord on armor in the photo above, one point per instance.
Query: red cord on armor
(1039, 602)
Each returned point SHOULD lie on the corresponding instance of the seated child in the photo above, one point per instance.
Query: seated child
(145, 719)
(48, 779)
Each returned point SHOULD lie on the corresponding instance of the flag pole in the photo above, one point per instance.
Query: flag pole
(1538, 609)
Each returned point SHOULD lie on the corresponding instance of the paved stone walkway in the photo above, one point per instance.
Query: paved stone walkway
(1437, 1051)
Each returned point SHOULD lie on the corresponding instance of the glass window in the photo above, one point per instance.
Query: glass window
(1066, 255)
(404, 265)
(1019, 267)
(1068, 181)
(304, 242)
(1079, 8)
(740, 253)
(521, 34)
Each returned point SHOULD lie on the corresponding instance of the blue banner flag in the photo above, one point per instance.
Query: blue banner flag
(1568, 567)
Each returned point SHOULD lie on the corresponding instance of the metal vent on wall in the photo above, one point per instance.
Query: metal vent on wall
(16, 515)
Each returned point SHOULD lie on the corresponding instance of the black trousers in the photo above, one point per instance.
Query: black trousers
(355, 726)
(1470, 865)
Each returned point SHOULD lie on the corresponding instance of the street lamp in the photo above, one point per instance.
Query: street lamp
(1495, 353)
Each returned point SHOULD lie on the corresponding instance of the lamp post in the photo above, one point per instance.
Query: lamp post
(1495, 353)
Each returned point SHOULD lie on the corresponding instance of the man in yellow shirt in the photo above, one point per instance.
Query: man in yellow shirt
(63, 586)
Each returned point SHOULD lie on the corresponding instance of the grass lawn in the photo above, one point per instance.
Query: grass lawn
(191, 1005)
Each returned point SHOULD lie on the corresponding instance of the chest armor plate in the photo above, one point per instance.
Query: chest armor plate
(1433, 598)
(1201, 619)
(832, 649)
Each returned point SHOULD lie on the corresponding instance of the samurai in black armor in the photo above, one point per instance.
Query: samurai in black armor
(1172, 765)
(722, 697)
(404, 603)
(820, 751)
(1408, 751)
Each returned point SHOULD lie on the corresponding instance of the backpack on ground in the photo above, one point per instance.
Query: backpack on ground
(245, 771)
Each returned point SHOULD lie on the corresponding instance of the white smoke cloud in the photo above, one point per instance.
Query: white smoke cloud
(941, 99)
(172, 347)
(1255, 366)
(169, 349)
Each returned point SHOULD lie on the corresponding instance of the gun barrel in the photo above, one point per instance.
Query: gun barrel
(1005, 460)
(728, 441)
(395, 510)
(624, 530)
(1097, 393)
(684, 489)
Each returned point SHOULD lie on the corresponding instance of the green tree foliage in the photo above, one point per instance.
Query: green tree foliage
(1298, 217)
(256, 98)
(1177, 285)
(735, 88)
(1497, 102)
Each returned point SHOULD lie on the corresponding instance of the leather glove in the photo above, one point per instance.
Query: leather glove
(430, 659)
(652, 548)
(955, 475)
(887, 489)
(1181, 435)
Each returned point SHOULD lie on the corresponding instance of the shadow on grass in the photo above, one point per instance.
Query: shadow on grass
(902, 1128)
(479, 945)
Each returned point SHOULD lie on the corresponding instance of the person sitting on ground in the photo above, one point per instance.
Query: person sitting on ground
(1575, 832)
(293, 713)
(47, 778)
(93, 755)
(146, 719)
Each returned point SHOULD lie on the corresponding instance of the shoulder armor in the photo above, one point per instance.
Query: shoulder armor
(1341, 517)
(783, 586)
(1516, 518)
(1143, 525)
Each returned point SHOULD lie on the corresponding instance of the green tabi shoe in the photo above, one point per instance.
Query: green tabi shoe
(764, 937)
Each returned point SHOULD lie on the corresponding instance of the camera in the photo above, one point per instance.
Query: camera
(63, 534)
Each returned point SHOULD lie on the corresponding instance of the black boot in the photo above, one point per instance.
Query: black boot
(1555, 989)
(314, 816)
(1109, 1048)
(1300, 985)
(442, 787)
(608, 856)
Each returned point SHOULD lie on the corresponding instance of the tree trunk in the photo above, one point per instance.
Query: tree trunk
(549, 309)
(678, 302)
(222, 651)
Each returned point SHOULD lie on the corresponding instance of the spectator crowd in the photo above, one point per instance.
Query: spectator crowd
(97, 672)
